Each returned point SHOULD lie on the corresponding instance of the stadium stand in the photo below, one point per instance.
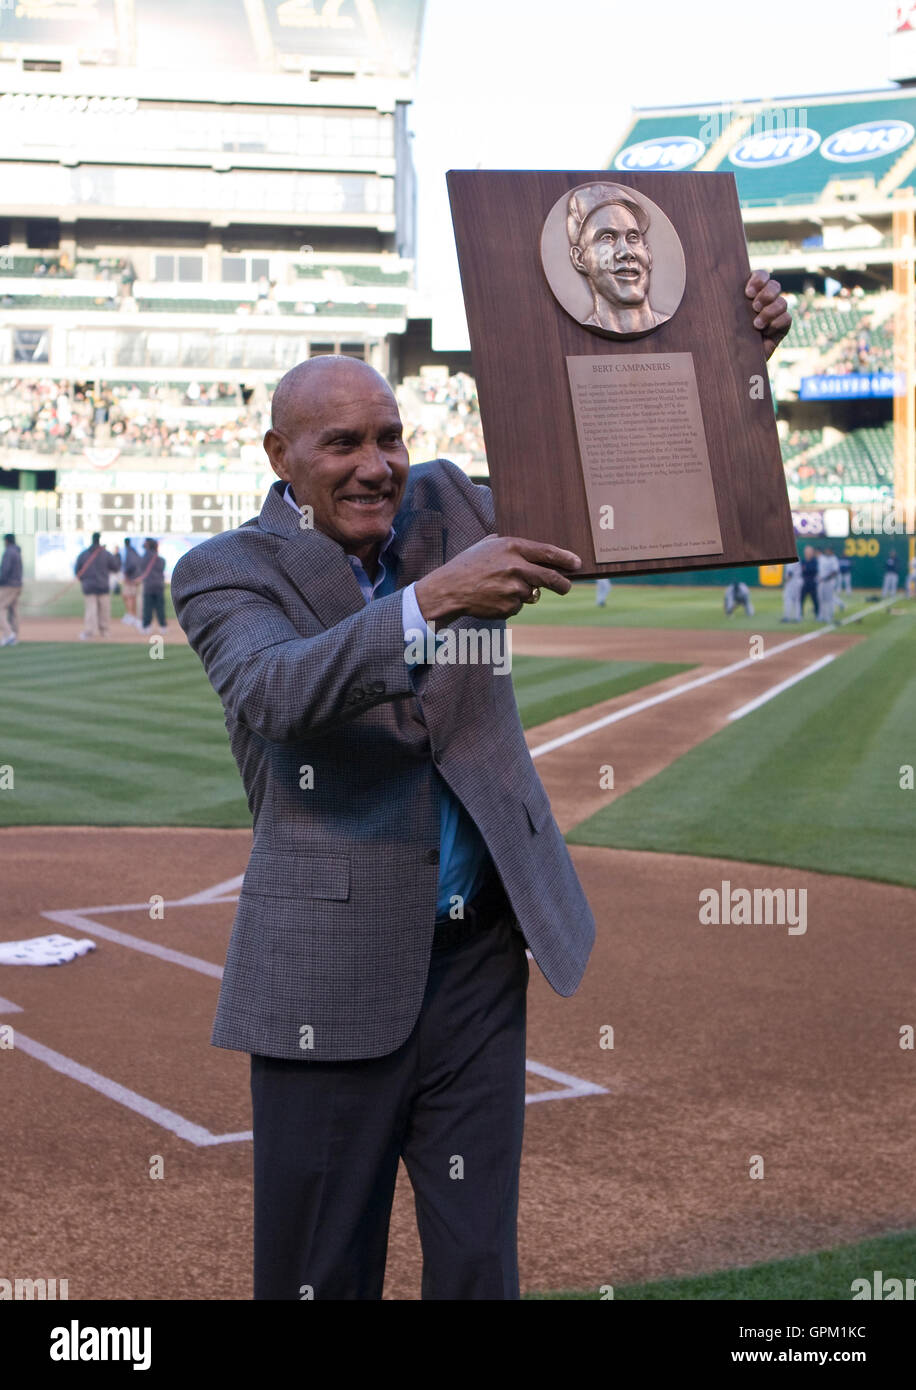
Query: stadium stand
(825, 185)
(158, 279)
(442, 417)
(173, 239)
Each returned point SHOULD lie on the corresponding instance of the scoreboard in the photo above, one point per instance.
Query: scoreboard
(156, 513)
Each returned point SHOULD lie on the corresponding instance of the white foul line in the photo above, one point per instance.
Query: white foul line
(660, 699)
(783, 685)
(220, 892)
(875, 608)
(664, 695)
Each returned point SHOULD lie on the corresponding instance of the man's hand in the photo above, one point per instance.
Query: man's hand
(493, 578)
(773, 317)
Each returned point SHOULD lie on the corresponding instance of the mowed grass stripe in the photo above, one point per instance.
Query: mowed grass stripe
(546, 687)
(140, 791)
(811, 780)
(827, 1274)
(154, 797)
(107, 736)
(76, 750)
(115, 720)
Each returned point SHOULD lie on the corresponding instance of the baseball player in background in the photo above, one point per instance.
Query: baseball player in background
(791, 594)
(828, 574)
(737, 594)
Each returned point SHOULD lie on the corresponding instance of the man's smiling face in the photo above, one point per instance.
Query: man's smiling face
(612, 253)
(337, 439)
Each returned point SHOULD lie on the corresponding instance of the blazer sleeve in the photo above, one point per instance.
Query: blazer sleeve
(277, 683)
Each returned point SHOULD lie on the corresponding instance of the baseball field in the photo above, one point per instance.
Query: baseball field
(722, 1111)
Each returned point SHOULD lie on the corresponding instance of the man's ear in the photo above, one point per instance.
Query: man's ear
(275, 449)
(575, 255)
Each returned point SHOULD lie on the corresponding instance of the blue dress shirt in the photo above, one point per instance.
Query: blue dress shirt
(463, 856)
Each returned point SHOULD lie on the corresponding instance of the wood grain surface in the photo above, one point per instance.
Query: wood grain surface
(520, 337)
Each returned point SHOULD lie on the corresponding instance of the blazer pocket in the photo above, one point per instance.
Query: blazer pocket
(282, 875)
(538, 807)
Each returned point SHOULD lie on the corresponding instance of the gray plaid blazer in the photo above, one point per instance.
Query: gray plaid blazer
(331, 942)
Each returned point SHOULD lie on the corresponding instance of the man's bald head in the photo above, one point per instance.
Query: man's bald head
(338, 441)
(299, 392)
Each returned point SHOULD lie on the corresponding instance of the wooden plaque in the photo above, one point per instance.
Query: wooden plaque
(655, 444)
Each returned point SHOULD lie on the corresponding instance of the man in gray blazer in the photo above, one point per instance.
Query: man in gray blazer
(404, 849)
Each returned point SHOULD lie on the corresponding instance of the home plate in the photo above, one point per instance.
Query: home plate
(44, 950)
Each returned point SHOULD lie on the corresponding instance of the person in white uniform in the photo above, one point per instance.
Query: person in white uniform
(828, 574)
(791, 594)
(737, 594)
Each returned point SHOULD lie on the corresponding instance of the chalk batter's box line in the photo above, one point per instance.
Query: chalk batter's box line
(83, 922)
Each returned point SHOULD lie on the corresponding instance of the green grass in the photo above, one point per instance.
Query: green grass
(811, 780)
(546, 687)
(628, 605)
(104, 735)
(826, 1275)
(672, 605)
(55, 599)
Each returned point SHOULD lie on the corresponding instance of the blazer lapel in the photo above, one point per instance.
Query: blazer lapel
(418, 543)
(320, 570)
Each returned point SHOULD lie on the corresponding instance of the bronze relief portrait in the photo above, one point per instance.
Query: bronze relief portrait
(613, 260)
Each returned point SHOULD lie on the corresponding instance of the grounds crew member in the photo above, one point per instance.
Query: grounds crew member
(152, 580)
(10, 590)
(94, 568)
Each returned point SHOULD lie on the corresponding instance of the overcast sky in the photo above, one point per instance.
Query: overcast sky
(516, 84)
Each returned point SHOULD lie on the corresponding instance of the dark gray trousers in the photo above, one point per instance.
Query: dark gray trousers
(450, 1101)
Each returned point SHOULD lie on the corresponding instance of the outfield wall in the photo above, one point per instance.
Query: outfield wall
(868, 552)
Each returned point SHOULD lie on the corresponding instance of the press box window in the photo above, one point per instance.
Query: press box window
(240, 270)
(182, 268)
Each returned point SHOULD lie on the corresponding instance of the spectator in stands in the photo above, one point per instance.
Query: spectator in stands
(10, 590)
(891, 576)
(809, 581)
(94, 568)
(153, 580)
(127, 276)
